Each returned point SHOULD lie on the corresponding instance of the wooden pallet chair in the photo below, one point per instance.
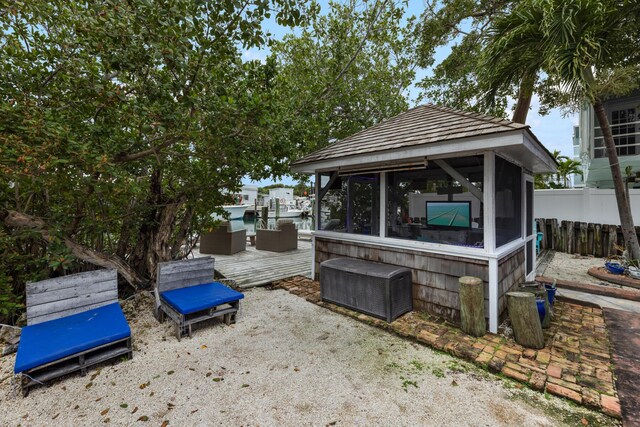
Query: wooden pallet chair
(73, 323)
(186, 292)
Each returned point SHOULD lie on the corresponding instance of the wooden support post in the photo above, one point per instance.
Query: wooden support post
(597, 240)
(583, 239)
(571, 241)
(525, 320)
(472, 306)
(264, 217)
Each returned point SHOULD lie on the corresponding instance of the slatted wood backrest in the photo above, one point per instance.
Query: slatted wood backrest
(184, 273)
(63, 296)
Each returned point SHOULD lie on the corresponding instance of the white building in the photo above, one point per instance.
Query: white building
(624, 118)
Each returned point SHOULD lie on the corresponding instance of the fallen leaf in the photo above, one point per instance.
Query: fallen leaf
(98, 399)
(170, 405)
(244, 385)
(454, 383)
(217, 379)
(76, 407)
(56, 416)
(165, 423)
(170, 372)
(191, 369)
(203, 346)
(151, 394)
(88, 385)
(134, 410)
(64, 388)
(124, 405)
(106, 420)
(104, 412)
(145, 385)
(143, 418)
(208, 374)
(194, 411)
(296, 369)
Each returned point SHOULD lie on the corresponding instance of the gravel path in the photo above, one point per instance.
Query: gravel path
(286, 362)
(573, 267)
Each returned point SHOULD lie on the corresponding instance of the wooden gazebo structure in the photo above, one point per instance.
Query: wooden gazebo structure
(445, 193)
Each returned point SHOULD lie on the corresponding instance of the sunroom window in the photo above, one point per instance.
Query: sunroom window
(508, 201)
(439, 203)
(350, 203)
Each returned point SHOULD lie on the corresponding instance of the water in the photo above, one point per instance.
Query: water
(248, 224)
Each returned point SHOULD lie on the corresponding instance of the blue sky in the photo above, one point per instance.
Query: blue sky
(554, 130)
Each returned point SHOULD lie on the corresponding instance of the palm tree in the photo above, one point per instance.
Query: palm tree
(589, 47)
(568, 167)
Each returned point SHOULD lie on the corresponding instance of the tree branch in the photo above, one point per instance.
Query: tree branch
(24, 221)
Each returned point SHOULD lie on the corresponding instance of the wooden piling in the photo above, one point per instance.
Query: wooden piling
(472, 306)
(524, 317)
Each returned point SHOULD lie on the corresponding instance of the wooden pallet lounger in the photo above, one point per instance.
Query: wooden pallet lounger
(73, 323)
(185, 291)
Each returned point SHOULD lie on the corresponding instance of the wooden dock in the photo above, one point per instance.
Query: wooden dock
(257, 268)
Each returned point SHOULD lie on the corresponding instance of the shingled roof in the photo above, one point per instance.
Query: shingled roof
(425, 124)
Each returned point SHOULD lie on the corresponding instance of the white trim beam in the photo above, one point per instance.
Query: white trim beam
(461, 179)
(383, 204)
(493, 295)
(489, 203)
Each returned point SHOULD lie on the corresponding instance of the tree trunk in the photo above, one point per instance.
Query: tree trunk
(183, 231)
(24, 221)
(525, 92)
(624, 207)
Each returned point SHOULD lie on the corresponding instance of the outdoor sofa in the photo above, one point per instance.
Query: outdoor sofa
(285, 238)
(223, 240)
(73, 322)
(186, 292)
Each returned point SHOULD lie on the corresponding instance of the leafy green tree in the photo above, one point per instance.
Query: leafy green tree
(588, 48)
(122, 121)
(349, 69)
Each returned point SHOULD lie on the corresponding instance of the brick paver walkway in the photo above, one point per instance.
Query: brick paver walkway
(575, 363)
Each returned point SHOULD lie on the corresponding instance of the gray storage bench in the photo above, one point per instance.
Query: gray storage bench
(380, 290)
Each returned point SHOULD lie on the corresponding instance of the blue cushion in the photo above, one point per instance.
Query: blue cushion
(200, 297)
(55, 339)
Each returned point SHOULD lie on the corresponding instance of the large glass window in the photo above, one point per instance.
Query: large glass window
(625, 127)
(350, 203)
(508, 201)
(439, 203)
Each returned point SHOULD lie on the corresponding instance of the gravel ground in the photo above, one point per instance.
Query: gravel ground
(573, 267)
(286, 362)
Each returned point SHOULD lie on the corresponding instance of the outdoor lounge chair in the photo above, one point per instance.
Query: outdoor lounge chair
(73, 323)
(285, 238)
(186, 292)
(224, 240)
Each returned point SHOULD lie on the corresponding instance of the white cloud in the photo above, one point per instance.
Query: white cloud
(254, 54)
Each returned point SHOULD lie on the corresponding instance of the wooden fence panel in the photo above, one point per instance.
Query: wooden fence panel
(580, 237)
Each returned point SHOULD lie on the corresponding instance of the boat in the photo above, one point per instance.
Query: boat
(234, 211)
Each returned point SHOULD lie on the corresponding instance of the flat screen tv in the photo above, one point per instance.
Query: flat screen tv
(449, 214)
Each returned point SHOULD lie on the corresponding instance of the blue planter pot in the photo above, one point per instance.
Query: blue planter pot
(551, 293)
(614, 267)
(541, 310)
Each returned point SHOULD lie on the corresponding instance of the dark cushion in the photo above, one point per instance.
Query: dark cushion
(55, 339)
(200, 297)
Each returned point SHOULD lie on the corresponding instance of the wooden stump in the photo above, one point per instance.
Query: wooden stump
(525, 320)
(472, 306)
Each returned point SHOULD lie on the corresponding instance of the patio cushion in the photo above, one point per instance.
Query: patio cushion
(201, 297)
(54, 339)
